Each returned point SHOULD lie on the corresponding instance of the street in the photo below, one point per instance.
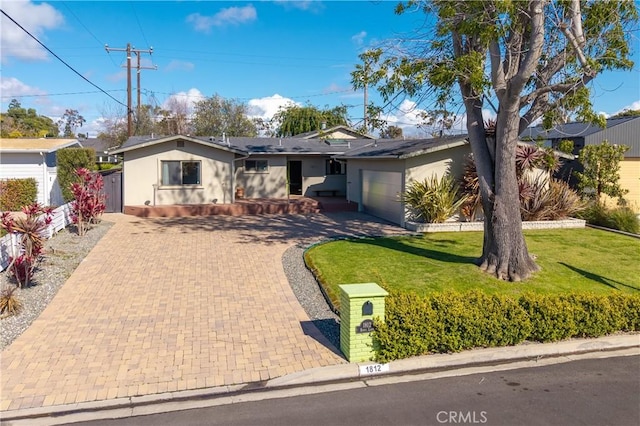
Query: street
(584, 392)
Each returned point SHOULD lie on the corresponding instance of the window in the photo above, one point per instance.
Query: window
(334, 167)
(180, 173)
(256, 166)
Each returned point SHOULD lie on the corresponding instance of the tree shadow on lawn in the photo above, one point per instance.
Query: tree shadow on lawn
(599, 278)
(398, 245)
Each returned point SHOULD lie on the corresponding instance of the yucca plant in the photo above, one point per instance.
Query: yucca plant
(433, 200)
(9, 303)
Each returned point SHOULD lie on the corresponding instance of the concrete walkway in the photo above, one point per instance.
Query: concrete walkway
(167, 305)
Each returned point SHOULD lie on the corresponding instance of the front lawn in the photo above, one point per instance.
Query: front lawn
(572, 260)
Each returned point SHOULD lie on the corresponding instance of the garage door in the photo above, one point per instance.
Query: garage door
(381, 195)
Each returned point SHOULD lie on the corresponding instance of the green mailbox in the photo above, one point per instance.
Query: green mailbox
(359, 304)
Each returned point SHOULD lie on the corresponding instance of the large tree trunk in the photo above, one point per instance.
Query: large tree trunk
(504, 251)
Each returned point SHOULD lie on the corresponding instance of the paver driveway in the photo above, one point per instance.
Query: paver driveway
(173, 304)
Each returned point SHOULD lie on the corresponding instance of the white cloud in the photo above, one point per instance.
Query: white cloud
(119, 76)
(359, 38)
(266, 107)
(177, 65)
(188, 98)
(227, 16)
(314, 6)
(633, 107)
(11, 87)
(14, 42)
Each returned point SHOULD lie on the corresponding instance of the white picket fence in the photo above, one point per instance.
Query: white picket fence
(60, 219)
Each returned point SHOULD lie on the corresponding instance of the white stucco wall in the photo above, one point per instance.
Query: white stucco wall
(439, 163)
(142, 170)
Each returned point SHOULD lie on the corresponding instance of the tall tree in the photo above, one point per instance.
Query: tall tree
(601, 170)
(70, 120)
(216, 115)
(391, 132)
(532, 58)
(294, 119)
(20, 122)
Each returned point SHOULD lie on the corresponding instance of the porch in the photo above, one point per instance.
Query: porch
(251, 206)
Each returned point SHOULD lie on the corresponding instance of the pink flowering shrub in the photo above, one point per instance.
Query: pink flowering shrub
(30, 227)
(89, 200)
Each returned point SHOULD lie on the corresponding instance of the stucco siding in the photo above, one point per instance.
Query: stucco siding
(142, 170)
(314, 177)
(439, 163)
(269, 184)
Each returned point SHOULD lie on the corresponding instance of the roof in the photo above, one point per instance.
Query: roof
(137, 142)
(296, 145)
(404, 148)
(570, 130)
(326, 133)
(100, 145)
(253, 146)
(20, 145)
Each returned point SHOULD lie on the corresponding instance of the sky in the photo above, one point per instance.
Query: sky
(262, 53)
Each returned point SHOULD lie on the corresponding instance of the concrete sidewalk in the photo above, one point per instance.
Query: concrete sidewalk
(168, 305)
(334, 378)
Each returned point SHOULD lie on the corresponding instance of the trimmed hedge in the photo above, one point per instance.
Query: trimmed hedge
(69, 160)
(452, 322)
(16, 193)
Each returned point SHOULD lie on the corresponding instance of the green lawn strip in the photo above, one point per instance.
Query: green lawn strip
(572, 260)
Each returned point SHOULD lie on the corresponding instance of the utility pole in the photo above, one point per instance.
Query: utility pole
(366, 94)
(129, 50)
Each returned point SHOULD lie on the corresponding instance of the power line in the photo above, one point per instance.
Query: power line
(43, 95)
(139, 26)
(60, 59)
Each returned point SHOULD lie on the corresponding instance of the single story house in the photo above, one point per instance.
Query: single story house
(35, 158)
(620, 131)
(201, 170)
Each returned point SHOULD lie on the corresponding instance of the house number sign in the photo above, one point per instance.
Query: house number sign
(365, 326)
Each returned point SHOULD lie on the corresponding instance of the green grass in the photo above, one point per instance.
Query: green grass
(572, 260)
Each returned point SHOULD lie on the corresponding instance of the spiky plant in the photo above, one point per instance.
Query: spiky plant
(470, 188)
(9, 303)
(433, 200)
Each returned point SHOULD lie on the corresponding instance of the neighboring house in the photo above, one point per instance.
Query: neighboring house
(379, 173)
(35, 158)
(620, 131)
(335, 132)
(101, 147)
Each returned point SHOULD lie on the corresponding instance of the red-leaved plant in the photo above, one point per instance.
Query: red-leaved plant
(89, 200)
(30, 228)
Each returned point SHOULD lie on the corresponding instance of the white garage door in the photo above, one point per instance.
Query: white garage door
(381, 195)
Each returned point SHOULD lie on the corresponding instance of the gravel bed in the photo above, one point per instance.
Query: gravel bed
(307, 290)
(63, 253)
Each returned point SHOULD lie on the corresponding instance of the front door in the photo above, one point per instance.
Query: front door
(294, 176)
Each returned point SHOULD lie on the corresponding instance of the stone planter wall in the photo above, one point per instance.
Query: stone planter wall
(479, 226)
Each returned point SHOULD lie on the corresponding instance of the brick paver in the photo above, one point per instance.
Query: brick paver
(164, 305)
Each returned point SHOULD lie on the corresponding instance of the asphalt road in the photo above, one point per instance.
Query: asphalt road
(585, 392)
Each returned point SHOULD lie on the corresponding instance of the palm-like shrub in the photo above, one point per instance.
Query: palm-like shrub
(30, 227)
(433, 200)
(548, 199)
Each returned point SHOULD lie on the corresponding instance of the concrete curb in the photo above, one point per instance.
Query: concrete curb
(344, 374)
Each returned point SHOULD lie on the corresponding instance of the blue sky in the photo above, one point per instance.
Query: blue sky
(263, 53)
